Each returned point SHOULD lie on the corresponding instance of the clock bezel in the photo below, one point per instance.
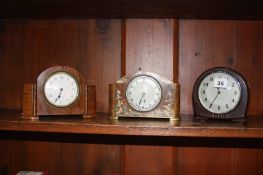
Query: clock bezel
(146, 75)
(69, 74)
(237, 113)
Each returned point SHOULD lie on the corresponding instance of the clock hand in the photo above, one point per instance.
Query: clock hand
(59, 95)
(218, 92)
(141, 98)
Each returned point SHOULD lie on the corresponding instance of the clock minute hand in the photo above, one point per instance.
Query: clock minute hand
(218, 92)
(59, 95)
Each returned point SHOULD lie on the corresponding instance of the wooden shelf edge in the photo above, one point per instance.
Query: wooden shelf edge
(10, 121)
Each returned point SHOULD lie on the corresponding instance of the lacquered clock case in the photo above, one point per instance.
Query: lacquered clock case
(238, 113)
(35, 104)
(168, 107)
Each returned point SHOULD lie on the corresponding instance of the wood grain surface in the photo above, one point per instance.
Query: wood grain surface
(29, 101)
(149, 46)
(102, 124)
(100, 57)
(103, 50)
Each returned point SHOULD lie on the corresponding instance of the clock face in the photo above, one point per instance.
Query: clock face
(219, 92)
(61, 89)
(143, 93)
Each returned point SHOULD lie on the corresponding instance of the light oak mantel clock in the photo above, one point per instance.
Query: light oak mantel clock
(145, 95)
(59, 90)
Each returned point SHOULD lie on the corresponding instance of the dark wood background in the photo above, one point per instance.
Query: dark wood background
(105, 49)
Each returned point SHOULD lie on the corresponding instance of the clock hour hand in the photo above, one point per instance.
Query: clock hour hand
(59, 95)
(141, 98)
(218, 92)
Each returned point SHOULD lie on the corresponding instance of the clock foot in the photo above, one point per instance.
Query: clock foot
(87, 116)
(29, 117)
(176, 118)
(114, 117)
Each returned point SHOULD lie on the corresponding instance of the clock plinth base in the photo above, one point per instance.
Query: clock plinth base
(90, 101)
(202, 118)
(177, 116)
(29, 102)
(111, 99)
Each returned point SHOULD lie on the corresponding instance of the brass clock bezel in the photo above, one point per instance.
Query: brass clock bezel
(161, 88)
(69, 74)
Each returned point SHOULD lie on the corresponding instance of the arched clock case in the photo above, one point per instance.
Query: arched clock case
(59, 91)
(145, 95)
(220, 93)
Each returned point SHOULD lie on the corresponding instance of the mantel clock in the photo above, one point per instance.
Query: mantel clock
(145, 95)
(59, 90)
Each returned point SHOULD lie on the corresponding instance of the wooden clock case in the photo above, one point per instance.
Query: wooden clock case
(167, 108)
(35, 103)
(238, 113)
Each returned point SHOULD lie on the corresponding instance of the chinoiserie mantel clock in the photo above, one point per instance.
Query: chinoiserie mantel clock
(220, 93)
(59, 90)
(146, 95)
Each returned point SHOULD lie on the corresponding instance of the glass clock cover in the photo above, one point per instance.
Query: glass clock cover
(143, 93)
(219, 92)
(61, 89)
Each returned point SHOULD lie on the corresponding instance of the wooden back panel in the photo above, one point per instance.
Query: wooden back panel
(95, 48)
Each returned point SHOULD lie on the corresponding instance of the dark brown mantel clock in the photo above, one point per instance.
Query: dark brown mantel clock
(59, 90)
(145, 95)
(220, 93)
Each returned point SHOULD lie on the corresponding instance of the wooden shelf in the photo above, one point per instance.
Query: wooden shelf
(253, 128)
(224, 9)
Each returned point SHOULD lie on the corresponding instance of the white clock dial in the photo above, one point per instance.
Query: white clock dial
(219, 92)
(61, 89)
(143, 93)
